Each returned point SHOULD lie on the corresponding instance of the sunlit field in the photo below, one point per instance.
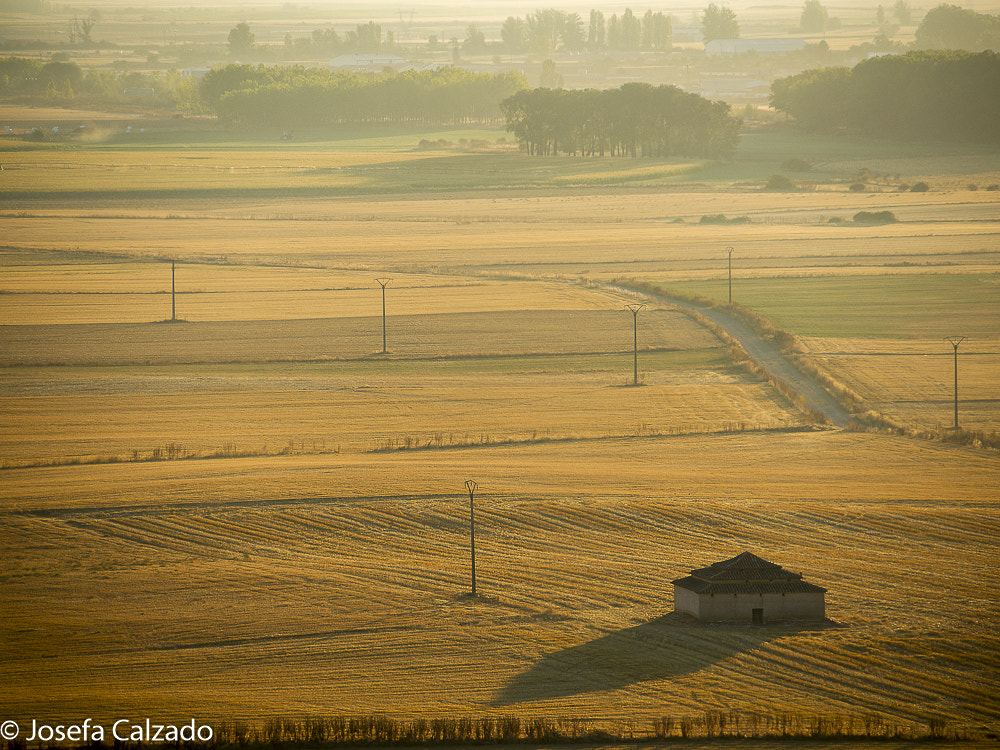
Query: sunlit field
(309, 586)
(254, 511)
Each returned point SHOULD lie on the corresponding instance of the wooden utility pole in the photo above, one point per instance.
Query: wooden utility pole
(635, 308)
(729, 250)
(383, 283)
(472, 487)
(955, 341)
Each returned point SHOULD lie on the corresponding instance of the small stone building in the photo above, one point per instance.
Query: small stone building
(748, 588)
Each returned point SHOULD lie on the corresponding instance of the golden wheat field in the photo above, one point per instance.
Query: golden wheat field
(254, 511)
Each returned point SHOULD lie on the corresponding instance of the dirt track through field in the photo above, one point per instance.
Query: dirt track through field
(773, 362)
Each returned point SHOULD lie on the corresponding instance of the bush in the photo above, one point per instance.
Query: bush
(875, 217)
(919, 187)
(779, 183)
(858, 187)
(836, 220)
(722, 219)
(993, 188)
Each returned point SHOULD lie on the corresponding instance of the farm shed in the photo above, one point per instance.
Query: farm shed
(750, 589)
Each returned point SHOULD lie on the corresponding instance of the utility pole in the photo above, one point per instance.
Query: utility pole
(472, 487)
(383, 283)
(955, 341)
(729, 250)
(173, 292)
(635, 308)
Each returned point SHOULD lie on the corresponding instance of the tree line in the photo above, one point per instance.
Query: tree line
(950, 95)
(636, 119)
(63, 82)
(546, 30)
(292, 96)
(952, 27)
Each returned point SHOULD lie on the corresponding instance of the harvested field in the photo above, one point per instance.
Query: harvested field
(333, 580)
(257, 513)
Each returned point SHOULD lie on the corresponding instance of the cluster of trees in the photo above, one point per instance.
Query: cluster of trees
(546, 30)
(636, 119)
(62, 81)
(291, 96)
(951, 95)
(365, 37)
(951, 27)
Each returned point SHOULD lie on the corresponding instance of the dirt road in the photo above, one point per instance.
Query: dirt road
(813, 395)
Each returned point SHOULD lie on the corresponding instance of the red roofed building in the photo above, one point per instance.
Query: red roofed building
(750, 589)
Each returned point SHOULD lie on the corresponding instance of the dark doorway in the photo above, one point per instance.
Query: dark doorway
(758, 616)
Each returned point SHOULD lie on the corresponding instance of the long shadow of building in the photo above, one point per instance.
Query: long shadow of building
(670, 646)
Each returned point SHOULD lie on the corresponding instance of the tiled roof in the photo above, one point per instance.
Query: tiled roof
(746, 574)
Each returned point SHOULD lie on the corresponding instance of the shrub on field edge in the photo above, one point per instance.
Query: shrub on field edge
(919, 187)
(875, 217)
(722, 219)
(779, 183)
(366, 731)
(857, 187)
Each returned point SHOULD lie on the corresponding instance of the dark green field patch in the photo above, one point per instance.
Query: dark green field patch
(891, 306)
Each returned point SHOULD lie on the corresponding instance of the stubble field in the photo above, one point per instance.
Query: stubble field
(305, 550)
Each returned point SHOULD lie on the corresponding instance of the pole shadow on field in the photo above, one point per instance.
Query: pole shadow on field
(670, 646)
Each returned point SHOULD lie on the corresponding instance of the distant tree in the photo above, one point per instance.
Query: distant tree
(901, 10)
(614, 38)
(597, 35)
(875, 217)
(637, 119)
(719, 23)
(60, 79)
(928, 95)
(818, 99)
(631, 31)
(475, 41)
(572, 33)
(880, 15)
(657, 31)
(551, 78)
(779, 183)
(814, 17)
(241, 39)
(545, 28)
(369, 37)
(951, 27)
(514, 35)
(80, 31)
